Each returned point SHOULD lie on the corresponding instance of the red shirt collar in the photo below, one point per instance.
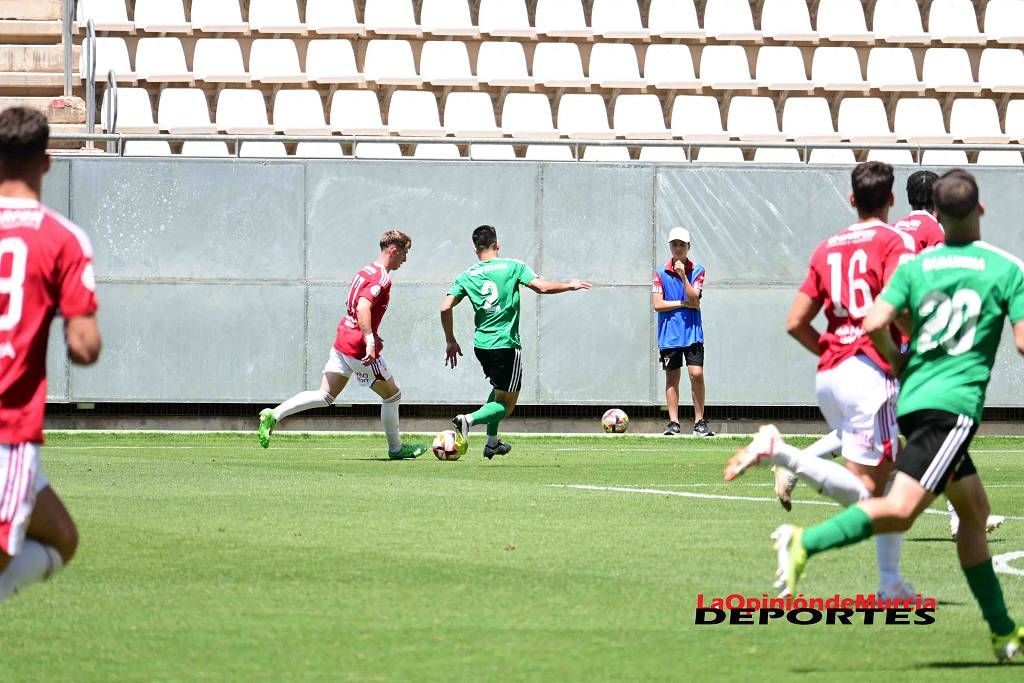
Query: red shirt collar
(670, 267)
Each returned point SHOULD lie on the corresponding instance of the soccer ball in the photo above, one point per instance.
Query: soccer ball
(447, 446)
(615, 421)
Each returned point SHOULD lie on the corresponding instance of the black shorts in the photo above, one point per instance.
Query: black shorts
(672, 359)
(504, 367)
(936, 450)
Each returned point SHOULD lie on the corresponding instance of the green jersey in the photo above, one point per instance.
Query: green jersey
(958, 296)
(493, 288)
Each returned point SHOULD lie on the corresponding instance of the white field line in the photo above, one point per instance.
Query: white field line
(713, 496)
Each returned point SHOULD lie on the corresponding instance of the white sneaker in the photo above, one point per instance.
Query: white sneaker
(761, 446)
(899, 591)
(991, 524)
(785, 482)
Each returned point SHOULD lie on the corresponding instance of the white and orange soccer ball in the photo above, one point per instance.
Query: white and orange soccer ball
(615, 421)
(448, 445)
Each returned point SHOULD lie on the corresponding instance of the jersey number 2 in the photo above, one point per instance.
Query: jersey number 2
(14, 284)
(858, 267)
(490, 292)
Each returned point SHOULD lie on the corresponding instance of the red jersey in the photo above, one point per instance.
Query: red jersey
(45, 266)
(847, 272)
(373, 284)
(923, 227)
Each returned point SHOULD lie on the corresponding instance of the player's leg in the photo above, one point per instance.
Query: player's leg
(504, 369)
(37, 535)
(693, 356)
(496, 446)
(786, 481)
(992, 523)
(385, 386)
(672, 363)
(335, 377)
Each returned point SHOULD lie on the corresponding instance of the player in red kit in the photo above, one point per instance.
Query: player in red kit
(356, 351)
(855, 387)
(920, 223)
(45, 268)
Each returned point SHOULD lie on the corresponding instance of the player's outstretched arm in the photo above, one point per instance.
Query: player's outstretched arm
(1018, 336)
(452, 349)
(798, 323)
(542, 286)
(83, 339)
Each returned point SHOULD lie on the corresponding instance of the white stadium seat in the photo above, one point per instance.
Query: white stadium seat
(561, 19)
(892, 69)
(944, 157)
(617, 19)
(896, 157)
(613, 154)
(333, 17)
(184, 111)
(787, 20)
(843, 21)
(332, 61)
(558, 65)
(492, 152)
(275, 60)
(204, 148)
(954, 21)
(614, 65)
(107, 15)
(919, 119)
(275, 16)
(977, 121)
(470, 115)
(1000, 70)
(753, 118)
(414, 113)
(832, 156)
(161, 60)
(863, 120)
(219, 16)
(134, 111)
(782, 68)
(502, 65)
(898, 21)
(147, 148)
(505, 18)
(583, 116)
(111, 54)
(262, 149)
(319, 150)
(219, 60)
(776, 155)
(437, 151)
(446, 63)
(730, 20)
(1015, 120)
(725, 67)
(720, 155)
(674, 155)
(549, 153)
(673, 19)
(242, 112)
(808, 119)
(837, 69)
(527, 115)
(447, 18)
(390, 62)
(948, 69)
(639, 117)
(161, 16)
(697, 117)
(670, 67)
(391, 17)
(378, 150)
(992, 157)
(299, 112)
(356, 112)
(1004, 21)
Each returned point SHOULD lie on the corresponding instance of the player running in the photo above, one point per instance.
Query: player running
(855, 388)
(45, 267)
(356, 351)
(957, 296)
(492, 286)
(920, 223)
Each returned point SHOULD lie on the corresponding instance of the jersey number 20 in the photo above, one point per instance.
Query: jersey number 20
(950, 322)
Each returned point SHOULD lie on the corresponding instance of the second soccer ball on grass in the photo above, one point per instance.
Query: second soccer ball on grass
(615, 421)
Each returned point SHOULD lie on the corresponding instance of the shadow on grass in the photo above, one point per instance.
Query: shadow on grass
(946, 539)
(971, 665)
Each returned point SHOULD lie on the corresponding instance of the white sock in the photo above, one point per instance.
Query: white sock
(35, 562)
(389, 418)
(888, 548)
(304, 400)
(828, 478)
(954, 519)
(492, 441)
(825, 446)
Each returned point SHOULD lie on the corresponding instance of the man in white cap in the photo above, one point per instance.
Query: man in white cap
(678, 286)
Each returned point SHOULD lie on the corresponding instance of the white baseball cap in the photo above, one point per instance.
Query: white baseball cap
(681, 234)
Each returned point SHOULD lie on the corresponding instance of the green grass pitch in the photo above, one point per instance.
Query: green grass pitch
(204, 557)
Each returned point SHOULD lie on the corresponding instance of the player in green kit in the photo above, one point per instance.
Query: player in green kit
(957, 296)
(492, 286)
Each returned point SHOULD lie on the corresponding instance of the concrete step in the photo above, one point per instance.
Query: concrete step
(58, 110)
(22, 31)
(35, 58)
(30, 9)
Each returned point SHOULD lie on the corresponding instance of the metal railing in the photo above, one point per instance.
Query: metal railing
(67, 19)
(89, 49)
(110, 120)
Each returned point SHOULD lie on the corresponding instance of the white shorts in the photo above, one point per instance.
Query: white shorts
(340, 364)
(21, 478)
(859, 401)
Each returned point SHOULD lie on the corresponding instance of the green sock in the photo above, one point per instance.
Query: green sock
(490, 412)
(852, 525)
(987, 591)
(492, 429)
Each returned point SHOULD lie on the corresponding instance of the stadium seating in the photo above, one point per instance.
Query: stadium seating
(673, 19)
(184, 110)
(111, 54)
(670, 67)
(614, 19)
(331, 17)
(332, 61)
(1004, 21)
(948, 69)
(753, 118)
(275, 60)
(221, 16)
(275, 16)
(447, 18)
(730, 20)
(470, 114)
(892, 69)
(843, 21)
(975, 121)
(319, 150)
(614, 65)
(558, 65)
(639, 117)
(107, 15)
(502, 65)
(898, 21)
(161, 60)
(161, 16)
(219, 60)
(394, 17)
(505, 18)
(583, 116)
(356, 112)
(1015, 120)
(781, 68)
(414, 113)
(1001, 70)
(241, 112)
(299, 112)
(954, 21)
(446, 63)
(837, 69)
(147, 148)
(697, 117)
(390, 62)
(134, 111)
(919, 120)
(527, 115)
(863, 120)
(204, 148)
(561, 19)
(725, 67)
(808, 119)
(787, 20)
(674, 155)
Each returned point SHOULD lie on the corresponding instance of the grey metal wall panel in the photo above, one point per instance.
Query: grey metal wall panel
(57, 186)
(437, 204)
(196, 342)
(56, 363)
(174, 219)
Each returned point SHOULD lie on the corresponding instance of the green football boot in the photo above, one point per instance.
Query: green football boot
(267, 424)
(1005, 647)
(407, 451)
(791, 556)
